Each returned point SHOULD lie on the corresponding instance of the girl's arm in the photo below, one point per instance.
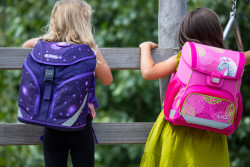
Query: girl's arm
(152, 71)
(102, 71)
(247, 57)
(30, 43)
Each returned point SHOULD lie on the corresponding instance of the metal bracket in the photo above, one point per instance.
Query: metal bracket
(233, 23)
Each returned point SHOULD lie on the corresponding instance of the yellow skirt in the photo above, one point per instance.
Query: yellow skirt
(180, 146)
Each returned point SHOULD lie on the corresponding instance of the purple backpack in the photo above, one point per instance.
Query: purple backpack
(56, 86)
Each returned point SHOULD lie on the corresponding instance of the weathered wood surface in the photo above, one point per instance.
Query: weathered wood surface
(117, 58)
(170, 16)
(170, 13)
(107, 133)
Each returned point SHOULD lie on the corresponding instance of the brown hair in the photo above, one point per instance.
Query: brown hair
(201, 25)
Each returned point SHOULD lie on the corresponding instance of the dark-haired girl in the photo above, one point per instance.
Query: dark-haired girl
(169, 145)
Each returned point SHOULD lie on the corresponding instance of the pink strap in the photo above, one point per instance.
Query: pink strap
(241, 65)
(193, 55)
(239, 112)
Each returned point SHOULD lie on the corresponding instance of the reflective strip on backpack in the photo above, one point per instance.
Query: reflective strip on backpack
(205, 122)
(19, 113)
(73, 119)
(172, 113)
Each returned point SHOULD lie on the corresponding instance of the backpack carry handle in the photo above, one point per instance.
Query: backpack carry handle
(193, 55)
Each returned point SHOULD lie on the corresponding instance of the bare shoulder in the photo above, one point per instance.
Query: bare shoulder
(30, 43)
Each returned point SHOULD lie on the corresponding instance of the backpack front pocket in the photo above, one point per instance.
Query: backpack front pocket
(207, 108)
(69, 100)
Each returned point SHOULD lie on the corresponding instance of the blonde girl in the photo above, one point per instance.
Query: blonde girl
(70, 22)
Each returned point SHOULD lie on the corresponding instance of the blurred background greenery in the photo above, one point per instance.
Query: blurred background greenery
(117, 23)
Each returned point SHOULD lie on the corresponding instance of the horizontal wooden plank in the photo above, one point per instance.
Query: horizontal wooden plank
(117, 58)
(107, 133)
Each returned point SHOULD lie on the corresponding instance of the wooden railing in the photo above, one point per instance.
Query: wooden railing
(169, 16)
(107, 133)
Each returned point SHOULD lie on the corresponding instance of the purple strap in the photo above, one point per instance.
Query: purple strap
(41, 138)
(92, 95)
(94, 135)
(47, 91)
(44, 111)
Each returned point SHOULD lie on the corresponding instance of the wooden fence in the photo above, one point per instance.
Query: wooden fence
(169, 16)
(107, 133)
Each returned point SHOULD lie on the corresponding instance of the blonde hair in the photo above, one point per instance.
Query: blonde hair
(70, 21)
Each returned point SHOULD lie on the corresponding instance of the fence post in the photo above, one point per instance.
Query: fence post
(170, 15)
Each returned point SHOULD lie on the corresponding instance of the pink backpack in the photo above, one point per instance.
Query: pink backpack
(205, 91)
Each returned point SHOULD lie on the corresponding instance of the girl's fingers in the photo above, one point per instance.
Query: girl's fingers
(152, 45)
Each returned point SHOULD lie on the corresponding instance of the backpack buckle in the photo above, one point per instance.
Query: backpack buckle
(49, 74)
(215, 78)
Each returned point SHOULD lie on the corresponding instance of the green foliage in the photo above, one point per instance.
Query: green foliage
(22, 20)
(125, 23)
(130, 98)
(9, 89)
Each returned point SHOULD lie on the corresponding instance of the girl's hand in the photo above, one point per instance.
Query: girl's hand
(149, 44)
(149, 69)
